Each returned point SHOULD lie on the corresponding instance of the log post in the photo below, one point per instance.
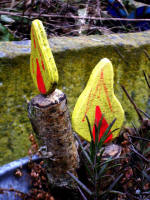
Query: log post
(50, 120)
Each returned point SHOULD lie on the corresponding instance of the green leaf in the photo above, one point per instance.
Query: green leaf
(100, 124)
(96, 135)
(113, 166)
(115, 182)
(92, 150)
(89, 125)
(101, 152)
(111, 160)
(89, 172)
(99, 158)
(106, 134)
(115, 130)
(80, 183)
(102, 170)
(84, 152)
(112, 185)
(97, 131)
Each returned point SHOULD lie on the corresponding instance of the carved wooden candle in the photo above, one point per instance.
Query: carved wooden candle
(49, 114)
(42, 65)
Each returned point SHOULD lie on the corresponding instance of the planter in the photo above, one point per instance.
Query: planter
(8, 179)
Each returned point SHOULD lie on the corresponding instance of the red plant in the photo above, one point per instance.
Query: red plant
(104, 125)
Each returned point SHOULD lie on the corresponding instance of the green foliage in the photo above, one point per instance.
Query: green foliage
(96, 168)
(5, 34)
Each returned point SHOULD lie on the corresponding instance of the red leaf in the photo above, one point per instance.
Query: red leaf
(104, 126)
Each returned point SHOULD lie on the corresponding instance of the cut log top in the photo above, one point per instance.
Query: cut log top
(50, 120)
(43, 101)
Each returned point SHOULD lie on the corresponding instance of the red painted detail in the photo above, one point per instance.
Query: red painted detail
(89, 103)
(42, 65)
(97, 93)
(40, 56)
(98, 87)
(34, 44)
(106, 92)
(32, 66)
(39, 49)
(39, 77)
(104, 126)
(92, 96)
(33, 38)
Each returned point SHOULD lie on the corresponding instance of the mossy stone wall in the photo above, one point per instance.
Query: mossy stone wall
(75, 59)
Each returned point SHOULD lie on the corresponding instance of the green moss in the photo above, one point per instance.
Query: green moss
(75, 59)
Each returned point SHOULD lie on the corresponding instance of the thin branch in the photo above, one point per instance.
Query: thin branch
(146, 53)
(4, 2)
(131, 100)
(80, 183)
(116, 192)
(146, 79)
(82, 194)
(70, 17)
(140, 155)
(140, 138)
(148, 116)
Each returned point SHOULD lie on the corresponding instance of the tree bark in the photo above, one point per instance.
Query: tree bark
(50, 120)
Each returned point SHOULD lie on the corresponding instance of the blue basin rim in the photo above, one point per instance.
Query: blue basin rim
(8, 180)
(22, 162)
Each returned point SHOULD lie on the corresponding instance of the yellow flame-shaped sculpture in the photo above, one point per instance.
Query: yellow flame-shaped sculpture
(42, 64)
(96, 99)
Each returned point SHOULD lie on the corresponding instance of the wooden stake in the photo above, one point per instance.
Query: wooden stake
(50, 120)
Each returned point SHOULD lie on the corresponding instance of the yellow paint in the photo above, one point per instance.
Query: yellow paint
(41, 53)
(99, 91)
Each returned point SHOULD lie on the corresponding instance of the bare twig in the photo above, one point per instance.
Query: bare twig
(146, 53)
(140, 155)
(146, 79)
(12, 3)
(98, 8)
(4, 2)
(139, 138)
(119, 53)
(148, 116)
(70, 17)
(131, 100)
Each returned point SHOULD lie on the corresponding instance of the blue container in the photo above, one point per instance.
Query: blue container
(9, 180)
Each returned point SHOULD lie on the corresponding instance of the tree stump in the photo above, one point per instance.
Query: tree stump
(50, 120)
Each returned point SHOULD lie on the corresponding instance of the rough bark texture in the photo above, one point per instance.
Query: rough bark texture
(50, 120)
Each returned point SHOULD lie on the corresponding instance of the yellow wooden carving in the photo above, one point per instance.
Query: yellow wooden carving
(42, 64)
(96, 99)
